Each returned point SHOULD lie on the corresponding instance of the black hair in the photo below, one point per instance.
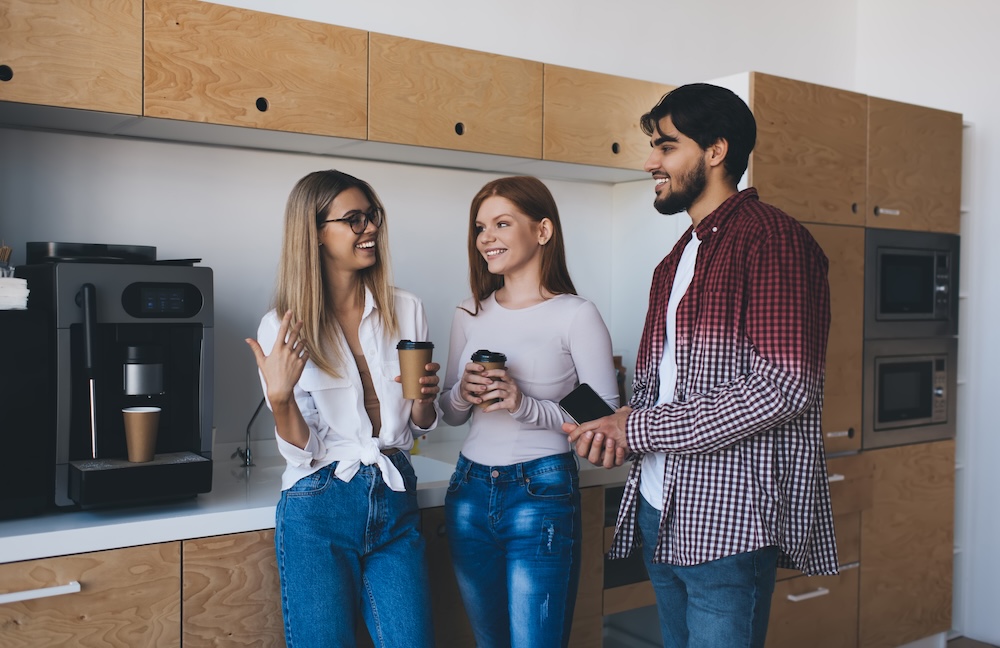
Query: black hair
(707, 113)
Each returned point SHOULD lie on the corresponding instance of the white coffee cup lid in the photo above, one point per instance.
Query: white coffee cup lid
(140, 410)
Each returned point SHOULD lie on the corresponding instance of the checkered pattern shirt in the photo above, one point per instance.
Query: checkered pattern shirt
(745, 465)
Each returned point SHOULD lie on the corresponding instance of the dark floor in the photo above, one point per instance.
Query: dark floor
(962, 642)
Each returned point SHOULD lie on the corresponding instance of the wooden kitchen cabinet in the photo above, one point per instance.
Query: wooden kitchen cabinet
(593, 118)
(425, 94)
(811, 149)
(127, 597)
(815, 611)
(845, 249)
(231, 593)
(914, 167)
(84, 54)
(216, 64)
(907, 545)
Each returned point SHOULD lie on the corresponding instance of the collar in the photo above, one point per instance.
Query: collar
(719, 218)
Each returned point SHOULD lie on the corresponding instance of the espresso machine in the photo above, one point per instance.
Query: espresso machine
(127, 331)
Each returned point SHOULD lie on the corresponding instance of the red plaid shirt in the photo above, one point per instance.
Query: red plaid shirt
(745, 465)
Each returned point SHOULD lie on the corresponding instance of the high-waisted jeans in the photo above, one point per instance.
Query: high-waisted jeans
(349, 546)
(514, 533)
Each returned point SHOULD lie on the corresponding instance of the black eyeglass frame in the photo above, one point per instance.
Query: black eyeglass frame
(375, 217)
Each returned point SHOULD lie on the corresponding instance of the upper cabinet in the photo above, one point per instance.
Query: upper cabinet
(437, 96)
(811, 149)
(914, 167)
(72, 54)
(593, 118)
(221, 65)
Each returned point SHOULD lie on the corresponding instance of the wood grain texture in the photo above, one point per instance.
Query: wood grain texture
(914, 166)
(232, 596)
(84, 54)
(419, 91)
(588, 620)
(853, 492)
(847, 529)
(128, 597)
(628, 597)
(845, 249)
(827, 621)
(811, 149)
(586, 114)
(907, 545)
(211, 63)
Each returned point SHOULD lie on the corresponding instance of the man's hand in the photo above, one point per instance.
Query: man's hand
(601, 441)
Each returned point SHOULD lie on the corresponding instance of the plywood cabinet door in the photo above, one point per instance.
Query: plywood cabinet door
(231, 590)
(126, 597)
(815, 611)
(845, 249)
(222, 65)
(914, 167)
(437, 96)
(593, 118)
(81, 54)
(907, 545)
(451, 624)
(811, 149)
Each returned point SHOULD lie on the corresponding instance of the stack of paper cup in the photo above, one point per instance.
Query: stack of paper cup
(13, 293)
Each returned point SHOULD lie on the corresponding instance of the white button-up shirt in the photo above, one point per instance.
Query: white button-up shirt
(334, 409)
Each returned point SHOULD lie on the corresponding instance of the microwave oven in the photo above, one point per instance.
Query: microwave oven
(911, 284)
(909, 391)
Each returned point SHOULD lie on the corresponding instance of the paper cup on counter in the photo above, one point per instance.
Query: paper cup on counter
(413, 356)
(141, 426)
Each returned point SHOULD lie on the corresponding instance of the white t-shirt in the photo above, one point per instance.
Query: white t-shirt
(551, 348)
(334, 408)
(654, 463)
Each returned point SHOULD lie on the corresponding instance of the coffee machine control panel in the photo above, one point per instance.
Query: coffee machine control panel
(146, 299)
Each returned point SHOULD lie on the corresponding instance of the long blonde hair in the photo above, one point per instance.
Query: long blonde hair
(301, 283)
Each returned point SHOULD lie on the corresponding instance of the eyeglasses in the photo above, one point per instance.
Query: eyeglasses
(359, 220)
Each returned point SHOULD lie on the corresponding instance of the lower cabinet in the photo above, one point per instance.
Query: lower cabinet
(815, 611)
(121, 597)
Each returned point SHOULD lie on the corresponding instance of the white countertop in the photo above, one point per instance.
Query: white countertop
(242, 499)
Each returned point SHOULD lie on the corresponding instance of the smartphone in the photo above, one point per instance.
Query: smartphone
(583, 404)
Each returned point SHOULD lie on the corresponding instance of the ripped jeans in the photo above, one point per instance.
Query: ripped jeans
(514, 534)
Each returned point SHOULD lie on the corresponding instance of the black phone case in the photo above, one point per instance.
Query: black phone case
(583, 404)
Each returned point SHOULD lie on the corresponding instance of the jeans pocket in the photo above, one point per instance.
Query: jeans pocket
(455, 482)
(552, 485)
(313, 483)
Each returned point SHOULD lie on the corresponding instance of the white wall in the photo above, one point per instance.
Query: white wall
(924, 52)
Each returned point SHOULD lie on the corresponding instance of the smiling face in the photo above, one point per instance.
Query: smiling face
(508, 240)
(678, 166)
(342, 249)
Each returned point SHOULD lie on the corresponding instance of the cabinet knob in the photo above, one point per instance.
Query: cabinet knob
(615, 148)
(460, 128)
(262, 104)
(854, 208)
(6, 74)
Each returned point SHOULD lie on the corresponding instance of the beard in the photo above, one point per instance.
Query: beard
(692, 185)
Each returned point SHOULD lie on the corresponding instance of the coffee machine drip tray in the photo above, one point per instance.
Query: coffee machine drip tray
(113, 482)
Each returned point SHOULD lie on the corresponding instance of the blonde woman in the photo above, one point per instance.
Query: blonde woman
(346, 536)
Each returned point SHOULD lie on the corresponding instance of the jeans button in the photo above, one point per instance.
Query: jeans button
(495, 474)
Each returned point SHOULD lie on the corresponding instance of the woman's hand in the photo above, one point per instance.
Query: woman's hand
(283, 367)
(502, 386)
(422, 413)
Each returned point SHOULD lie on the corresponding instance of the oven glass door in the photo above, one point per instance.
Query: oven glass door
(906, 284)
(905, 392)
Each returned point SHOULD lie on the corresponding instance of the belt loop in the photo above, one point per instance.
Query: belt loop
(520, 473)
(464, 465)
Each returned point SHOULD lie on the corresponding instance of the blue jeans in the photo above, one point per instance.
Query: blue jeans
(514, 533)
(345, 546)
(723, 603)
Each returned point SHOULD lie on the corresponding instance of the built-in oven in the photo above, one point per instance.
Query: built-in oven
(909, 394)
(911, 284)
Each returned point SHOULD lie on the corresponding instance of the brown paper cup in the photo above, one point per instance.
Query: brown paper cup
(487, 366)
(411, 370)
(141, 425)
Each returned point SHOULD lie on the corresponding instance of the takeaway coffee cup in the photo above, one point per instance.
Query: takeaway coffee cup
(412, 358)
(141, 425)
(489, 360)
